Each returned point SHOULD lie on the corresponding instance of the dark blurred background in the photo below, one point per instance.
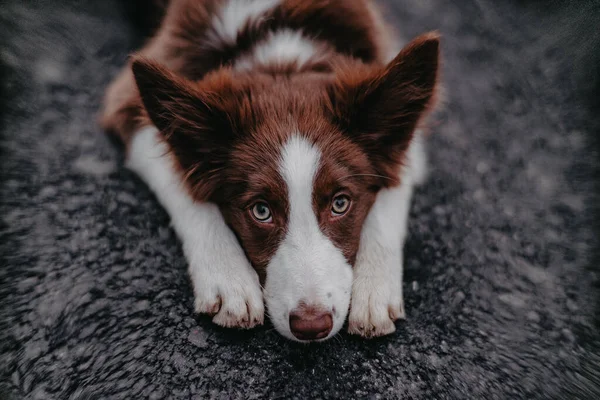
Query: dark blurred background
(501, 277)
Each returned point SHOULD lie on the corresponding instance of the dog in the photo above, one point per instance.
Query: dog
(283, 139)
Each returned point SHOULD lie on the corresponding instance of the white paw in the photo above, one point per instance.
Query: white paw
(234, 299)
(376, 303)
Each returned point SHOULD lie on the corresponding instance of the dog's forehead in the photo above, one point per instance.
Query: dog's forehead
(257, 164)
(275, 115)
(283, 92)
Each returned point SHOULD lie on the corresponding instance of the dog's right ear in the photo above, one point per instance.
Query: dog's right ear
(197, 130)
(380, 109)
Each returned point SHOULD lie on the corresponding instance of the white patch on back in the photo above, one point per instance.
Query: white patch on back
(307, 267)
(281, 47)
(233, 16)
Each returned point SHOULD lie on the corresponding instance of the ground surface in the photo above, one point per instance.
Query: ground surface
(94, 297)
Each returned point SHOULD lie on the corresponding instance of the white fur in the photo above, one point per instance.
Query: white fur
(306, 267)
(221, 274)
(377, 298)
(280, 47)
(233, 16)
(416, 162)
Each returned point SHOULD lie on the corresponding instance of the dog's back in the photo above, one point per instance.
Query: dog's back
(273, 36)
(269, 33)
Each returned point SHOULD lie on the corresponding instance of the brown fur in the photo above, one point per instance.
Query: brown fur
(352, 27)
(380, 109)
(225, 128)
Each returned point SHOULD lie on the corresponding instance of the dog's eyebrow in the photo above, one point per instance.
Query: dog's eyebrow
(257, 193)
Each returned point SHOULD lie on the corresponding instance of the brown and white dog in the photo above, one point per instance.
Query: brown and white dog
(280, 136)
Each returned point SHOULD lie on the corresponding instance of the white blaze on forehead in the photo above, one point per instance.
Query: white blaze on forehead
(233, 16)
(307, 266)
(283, 46)
(299, 164)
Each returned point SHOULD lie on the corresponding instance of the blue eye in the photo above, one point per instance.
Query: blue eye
(261, 212)
(340, 204)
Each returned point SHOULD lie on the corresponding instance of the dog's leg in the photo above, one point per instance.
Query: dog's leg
(225, 284)
(377, 299)
(377, 289)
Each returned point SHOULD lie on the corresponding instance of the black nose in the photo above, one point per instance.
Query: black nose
(310, 323)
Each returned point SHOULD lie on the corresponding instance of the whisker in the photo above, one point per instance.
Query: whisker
(372, 175)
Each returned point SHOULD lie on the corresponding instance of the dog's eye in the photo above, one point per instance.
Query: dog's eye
(261, 212)
(340, 204)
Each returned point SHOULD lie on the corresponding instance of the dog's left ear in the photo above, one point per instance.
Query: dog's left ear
(380, 110)
(194, 124)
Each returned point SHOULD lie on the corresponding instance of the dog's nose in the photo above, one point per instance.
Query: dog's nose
(310, 323)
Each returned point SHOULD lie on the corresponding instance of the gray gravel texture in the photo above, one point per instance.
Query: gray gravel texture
(501, 284)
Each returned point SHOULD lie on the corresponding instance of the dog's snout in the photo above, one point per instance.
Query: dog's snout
(310, 323)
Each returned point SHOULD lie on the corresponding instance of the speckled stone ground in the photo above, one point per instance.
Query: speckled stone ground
(501, 282)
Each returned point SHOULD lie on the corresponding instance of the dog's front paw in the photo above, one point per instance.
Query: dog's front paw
(233, 299)
(376, 303)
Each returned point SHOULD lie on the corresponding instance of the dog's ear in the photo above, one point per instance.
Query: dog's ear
(196, 128)
(380, 110)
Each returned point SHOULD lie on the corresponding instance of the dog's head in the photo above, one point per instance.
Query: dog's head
(295, 162)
